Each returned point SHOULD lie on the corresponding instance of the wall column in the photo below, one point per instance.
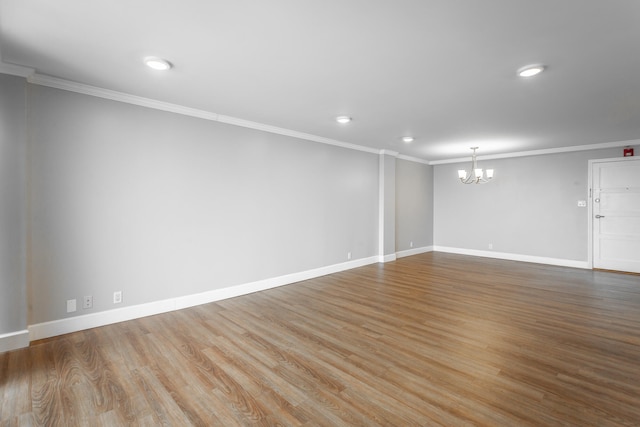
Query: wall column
(13, 305)
(387, 207)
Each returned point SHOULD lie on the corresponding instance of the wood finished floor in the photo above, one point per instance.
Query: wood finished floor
(433, 339)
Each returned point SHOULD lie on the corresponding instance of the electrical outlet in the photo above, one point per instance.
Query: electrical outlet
(490, 245)
(348, 255)
(411, 244)
(71, 305)
(87, 302)
(117, 297)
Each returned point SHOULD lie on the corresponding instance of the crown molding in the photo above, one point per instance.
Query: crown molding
(293, 133)
(16, 70)
(573, 148)
(388, 153)
(57, 83)
(413, 159)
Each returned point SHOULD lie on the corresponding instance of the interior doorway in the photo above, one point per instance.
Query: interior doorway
(614, 214)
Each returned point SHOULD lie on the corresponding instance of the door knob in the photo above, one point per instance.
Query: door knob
(599, 216)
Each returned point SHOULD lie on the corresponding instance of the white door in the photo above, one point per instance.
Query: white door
(616, 214)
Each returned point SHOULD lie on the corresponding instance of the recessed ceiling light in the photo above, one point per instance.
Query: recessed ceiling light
(343, 119)
(530, 70)
(157, 63)
(407, 139)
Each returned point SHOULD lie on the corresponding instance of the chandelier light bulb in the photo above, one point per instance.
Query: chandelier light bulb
(475, 174)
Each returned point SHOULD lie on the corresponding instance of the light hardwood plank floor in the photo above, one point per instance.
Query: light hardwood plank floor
(429, 340)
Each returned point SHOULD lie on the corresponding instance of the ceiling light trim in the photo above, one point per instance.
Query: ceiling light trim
(157, 64)
(531, 70)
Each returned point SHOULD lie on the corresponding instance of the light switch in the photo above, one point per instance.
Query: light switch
(582, 203)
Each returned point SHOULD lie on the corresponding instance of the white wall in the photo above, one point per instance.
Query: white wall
(529, 209)
(414, 205)
(13, 307)
(160, 205)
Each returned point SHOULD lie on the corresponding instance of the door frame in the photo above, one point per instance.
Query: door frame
(592, 163)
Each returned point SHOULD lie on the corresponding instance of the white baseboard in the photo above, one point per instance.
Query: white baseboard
(386, 258)
(261, 285)
(78, 323)
(94, 320)
(14, 340)
(414, 251)
(514, 257)
(64, 326)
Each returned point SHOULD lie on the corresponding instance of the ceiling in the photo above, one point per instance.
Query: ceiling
(443, 71)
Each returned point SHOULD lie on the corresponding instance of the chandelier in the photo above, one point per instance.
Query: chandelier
(475, 176)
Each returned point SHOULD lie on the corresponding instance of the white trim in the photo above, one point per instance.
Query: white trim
(292, 133)
(591, 190)
(389, 153)
(57, 83)
(78, 323)
(14, 341)
(413, 159)
(514, 257)
(261, 285)
(54, 82)
(414, 251)
(614, 159)
(381, 205)
(387, 258)
(590, 215)
(587, 147)
(15, 70)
